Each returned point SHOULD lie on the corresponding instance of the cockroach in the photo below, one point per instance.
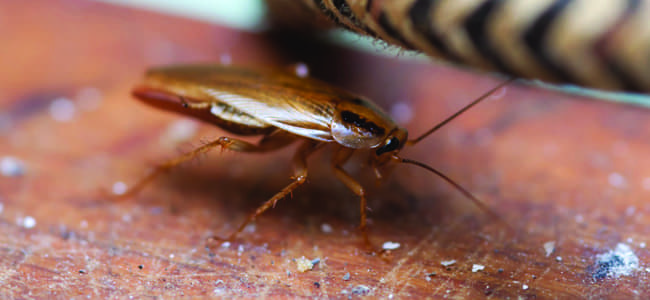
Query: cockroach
(283, 108)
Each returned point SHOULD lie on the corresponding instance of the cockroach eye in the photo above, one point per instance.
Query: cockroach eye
(393, 144)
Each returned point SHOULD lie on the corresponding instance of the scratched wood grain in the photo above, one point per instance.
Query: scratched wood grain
(557, 168)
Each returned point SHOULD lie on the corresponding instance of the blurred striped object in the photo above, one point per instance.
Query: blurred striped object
(603, 44)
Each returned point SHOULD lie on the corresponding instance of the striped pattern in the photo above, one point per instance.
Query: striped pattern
(596, 43)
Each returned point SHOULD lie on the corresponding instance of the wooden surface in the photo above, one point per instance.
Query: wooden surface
(559, 169)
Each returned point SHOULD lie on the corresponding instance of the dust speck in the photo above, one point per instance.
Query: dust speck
(180, 131)
(29, 222)
(477, 267)
(346, 277)
(615, 263)
(390, 245)
(127, 218)
(617, 180)
(250, 228)
(579, 219)
(549, 248)
(225, 59)
(447, 263)
(62, 109)
(360, 290)
(303, 264)
(219, 291)
(119, 188)
(326, 228)
(301, 70)
(11, 167)
(401, 112)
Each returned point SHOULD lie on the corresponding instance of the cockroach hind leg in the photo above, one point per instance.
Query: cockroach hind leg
(224, 142)
(299, 177)
(166, 167)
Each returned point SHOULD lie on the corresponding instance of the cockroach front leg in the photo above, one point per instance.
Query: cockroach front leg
(268, 143)
(299, 177)
(338, 159)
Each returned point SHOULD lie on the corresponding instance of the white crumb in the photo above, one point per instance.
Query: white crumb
(304, 264)
(621, 261)
(448, 263)
(477, 267)
(390, 245)
(549, 248)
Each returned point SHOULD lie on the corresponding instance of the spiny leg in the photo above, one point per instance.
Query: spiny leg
(299, 177)
(268, 143)
(339, 158)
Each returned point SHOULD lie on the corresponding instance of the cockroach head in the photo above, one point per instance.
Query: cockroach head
(393, 142)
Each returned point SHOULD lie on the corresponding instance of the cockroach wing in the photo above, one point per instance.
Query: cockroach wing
(295, 115)
(302, 106)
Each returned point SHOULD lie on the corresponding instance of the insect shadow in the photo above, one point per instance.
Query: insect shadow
(206, 183)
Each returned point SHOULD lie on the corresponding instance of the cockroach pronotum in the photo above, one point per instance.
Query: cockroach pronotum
(283, 108)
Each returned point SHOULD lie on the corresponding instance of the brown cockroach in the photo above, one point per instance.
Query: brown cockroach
(283, 108)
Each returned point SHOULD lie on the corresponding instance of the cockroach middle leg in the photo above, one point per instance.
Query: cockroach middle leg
(299, 177)
(338, 159)
(268, 143)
